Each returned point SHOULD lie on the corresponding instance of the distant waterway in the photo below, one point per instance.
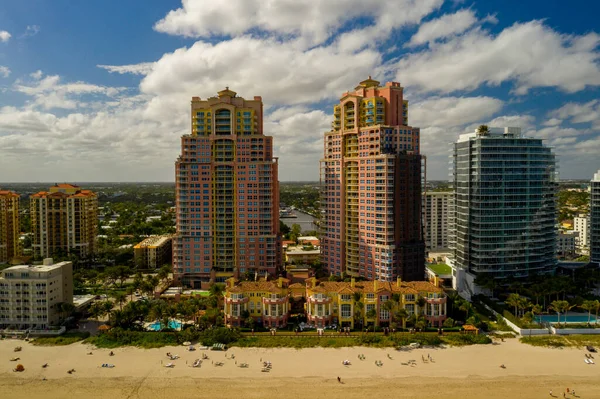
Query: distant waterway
(304, 220)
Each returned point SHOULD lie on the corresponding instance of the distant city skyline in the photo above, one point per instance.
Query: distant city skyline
(105, 99)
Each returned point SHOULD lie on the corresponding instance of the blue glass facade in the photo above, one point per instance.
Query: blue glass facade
(505, 204)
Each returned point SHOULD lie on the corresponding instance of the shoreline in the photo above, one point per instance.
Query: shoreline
(471, 371)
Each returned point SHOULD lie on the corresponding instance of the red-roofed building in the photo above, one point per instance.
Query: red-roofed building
(64, 219)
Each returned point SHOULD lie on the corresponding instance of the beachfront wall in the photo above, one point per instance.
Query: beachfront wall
(569, 331)
(334, 303)
(524, 332)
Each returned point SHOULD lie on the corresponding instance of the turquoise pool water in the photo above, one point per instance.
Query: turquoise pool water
(156, 326)
(570, 318)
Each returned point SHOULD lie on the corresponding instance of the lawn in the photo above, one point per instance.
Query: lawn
(440, 268)
(65, 339)
(557, 341)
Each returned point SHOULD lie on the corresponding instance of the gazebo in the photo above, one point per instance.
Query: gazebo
(470, 329)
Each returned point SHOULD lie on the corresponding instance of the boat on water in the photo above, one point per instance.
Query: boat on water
(287, 213)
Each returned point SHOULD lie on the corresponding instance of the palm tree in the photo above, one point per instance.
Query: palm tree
(163, 273)
(421, 303)
(523, 304)
(514, 300)
(130, 291)
(401, 314)
(465, 306)
(120, 297)
(536, 309)
(372, 314)
(389, 306)
(483, 129)
(560, 307)
(589, 306)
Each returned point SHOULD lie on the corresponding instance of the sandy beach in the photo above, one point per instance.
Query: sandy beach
(472, 371)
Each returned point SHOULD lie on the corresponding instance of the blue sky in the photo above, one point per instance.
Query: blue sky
(99, 91)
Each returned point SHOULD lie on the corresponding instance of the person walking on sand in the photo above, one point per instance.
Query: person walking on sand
(339, 380)
(551, 393)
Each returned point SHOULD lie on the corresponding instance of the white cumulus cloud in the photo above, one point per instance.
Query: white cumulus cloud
(446, 25)
(315, 20)
(528, 54)
(143, 68)
(4, 71)
(4, 36)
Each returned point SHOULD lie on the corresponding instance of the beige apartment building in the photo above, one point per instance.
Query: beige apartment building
(30, 296)
(437, 219)
(64, 220)
(153, 252)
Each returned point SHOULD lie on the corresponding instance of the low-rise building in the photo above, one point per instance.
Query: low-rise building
(300, 255)
(153, 252)
(267, 302)
(32, 297)
(565, 242)
(334, 303)
(309, 240)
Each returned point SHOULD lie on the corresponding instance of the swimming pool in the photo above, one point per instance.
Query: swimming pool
(173, 324)
(570, 318)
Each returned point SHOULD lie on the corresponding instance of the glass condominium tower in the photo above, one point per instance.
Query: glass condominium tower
(505, 204)
(227, 194)
(371, 180)
(595, 219)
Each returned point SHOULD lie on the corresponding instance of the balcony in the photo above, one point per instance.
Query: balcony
(314, 300)
(436, 301)
(237, 300)
(274, 301)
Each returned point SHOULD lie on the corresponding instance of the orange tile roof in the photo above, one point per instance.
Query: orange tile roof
(405, 287)
(262, 285)
(65, 185)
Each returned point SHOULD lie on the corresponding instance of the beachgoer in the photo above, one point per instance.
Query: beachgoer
(551, 393)
(339, 379)
(573, 392)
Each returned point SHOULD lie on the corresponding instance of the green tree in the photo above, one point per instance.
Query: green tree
(120, 297)
(560, 307)
(400, 316)
(358, 308)
(163, 273)
(483, 129)
(296, 231)
(466, 307)
(590, 306)
(421, 303)
(514, 300)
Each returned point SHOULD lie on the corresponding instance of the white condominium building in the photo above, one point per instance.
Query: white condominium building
(581, 224)
(31, 296)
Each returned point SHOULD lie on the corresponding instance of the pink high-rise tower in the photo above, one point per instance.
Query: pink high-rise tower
(227, 194)
(371, 177)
